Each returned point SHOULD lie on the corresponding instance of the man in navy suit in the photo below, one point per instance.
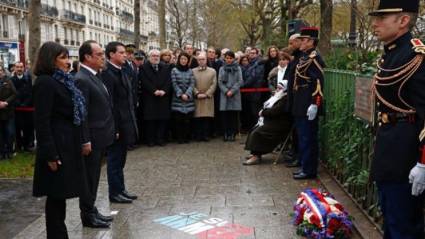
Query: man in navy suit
(98, 128)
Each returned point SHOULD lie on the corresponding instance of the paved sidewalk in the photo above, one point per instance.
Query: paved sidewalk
(206, 178)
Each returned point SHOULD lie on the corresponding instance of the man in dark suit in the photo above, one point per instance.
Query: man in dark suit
(23, 117)
(155, 96)
(98, 128)
(120, 88)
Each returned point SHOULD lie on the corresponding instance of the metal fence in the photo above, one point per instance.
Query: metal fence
(346, 148)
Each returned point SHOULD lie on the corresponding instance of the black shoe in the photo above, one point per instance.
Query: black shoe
(302, 176)
(92, 221)
(119, 199)
(294, 164)
(297, 172)
(128, 195)
(104, 218)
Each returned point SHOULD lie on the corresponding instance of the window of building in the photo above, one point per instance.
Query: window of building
(56, 32)
(84, 36)
(65, 33)
(69, 5)
(91, 35)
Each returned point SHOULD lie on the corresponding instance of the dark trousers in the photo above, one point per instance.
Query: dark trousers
(403, 213)
(182, 123)
(229, 122)
(308, 144)
(7, 134)
(24, 124)
(92, 167)
(155, 131)
(55, 218)
(202, 125)
(116, 158)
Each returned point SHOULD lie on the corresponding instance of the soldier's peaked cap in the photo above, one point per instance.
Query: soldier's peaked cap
(309, 32)
(396, 6)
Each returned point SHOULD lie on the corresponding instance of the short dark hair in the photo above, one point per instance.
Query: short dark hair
(19, 62)
(85, 49)
(229, 53)
(284, 56)
(185, 55)
(46, 58)
(112, 47)
(257, 51)
(75, 65)
(218, 52)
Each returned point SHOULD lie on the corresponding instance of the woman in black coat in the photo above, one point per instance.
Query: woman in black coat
(7, 113)
(272, 127)
(59, 111)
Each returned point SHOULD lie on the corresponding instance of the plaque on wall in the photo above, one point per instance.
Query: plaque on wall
(364, 106)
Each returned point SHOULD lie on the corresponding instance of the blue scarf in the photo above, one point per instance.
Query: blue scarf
(77, 97)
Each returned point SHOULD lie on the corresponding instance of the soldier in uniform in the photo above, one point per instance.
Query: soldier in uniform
(307, 100)
(398, 167)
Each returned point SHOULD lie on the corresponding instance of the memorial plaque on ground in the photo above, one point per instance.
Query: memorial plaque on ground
(364, 106)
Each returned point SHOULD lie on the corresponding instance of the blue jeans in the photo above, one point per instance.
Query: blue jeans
(403, 213)
(308, 144)
(7, 135)
(116, 157)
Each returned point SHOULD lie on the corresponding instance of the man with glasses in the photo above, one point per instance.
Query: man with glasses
(398, 167)
(155, 77)
(98, 129)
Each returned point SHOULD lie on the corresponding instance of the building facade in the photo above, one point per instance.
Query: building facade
(70, 22)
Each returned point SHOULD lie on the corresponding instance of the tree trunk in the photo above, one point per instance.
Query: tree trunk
(137, 23)
(352, 41)
(326, 8)
(34, 30)
(162, 27)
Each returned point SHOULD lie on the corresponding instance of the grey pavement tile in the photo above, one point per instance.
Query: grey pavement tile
(192, 178)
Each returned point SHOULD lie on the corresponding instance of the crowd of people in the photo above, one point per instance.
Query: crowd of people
(112, 100)
(16, 113)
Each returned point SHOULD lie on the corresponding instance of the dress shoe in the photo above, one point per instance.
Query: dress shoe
(294, 164)
(104, 218)
(304, 176)
(252, 161)
(128, 195)
(94, 222)
(297, 172)
(119, 199)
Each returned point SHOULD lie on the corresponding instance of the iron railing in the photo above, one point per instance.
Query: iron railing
(346, 148)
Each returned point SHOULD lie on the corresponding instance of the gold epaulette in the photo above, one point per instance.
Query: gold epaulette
(418, 46)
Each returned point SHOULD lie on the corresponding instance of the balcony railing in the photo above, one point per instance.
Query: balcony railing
(127, 16)
(72, 42)
(126, 33)
(5, 34)
(49, 10)
(75, 17)
(16, 3)
(58, 40)
(65, 41)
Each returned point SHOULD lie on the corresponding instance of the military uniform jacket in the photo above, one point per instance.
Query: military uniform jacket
(308, 83)
(399, 88)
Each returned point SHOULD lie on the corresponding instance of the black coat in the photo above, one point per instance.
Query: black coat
(57, 138)
(8, 94)
(155, 107)
(24, 90)
(397, 144)
(119, 87)
(307, 82)
(98, 128)
(277, 126)
(133, 75)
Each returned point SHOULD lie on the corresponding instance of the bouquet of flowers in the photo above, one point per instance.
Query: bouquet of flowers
(318, 215)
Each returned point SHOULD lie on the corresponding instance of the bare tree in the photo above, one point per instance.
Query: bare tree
(179, 19)
(34, 29)
(137, 23)
(162, 24)
(326, 10)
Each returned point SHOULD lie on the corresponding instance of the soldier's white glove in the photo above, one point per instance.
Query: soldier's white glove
(312, 112)
(417, 178)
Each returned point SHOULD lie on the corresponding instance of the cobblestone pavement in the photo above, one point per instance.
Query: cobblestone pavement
(207, 178)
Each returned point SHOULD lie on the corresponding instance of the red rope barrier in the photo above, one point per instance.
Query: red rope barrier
(253, 90)
(24, 109)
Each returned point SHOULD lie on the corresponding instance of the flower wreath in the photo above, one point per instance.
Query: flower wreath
(318, 215)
